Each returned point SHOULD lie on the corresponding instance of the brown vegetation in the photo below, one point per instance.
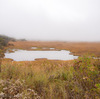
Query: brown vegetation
(77, 48)
(52, 79)
(45, 79)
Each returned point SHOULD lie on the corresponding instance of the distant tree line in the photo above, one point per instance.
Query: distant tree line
(4, 40)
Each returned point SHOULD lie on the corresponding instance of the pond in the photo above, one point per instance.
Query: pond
(24, 55)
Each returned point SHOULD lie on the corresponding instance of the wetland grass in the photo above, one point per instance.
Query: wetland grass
(44, 79)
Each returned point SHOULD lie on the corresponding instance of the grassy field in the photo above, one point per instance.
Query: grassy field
(49, 79)
(77, 48)
(46, 79)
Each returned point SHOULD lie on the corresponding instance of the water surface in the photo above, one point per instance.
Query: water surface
(24, 55)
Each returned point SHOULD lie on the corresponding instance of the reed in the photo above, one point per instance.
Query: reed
(46, 79)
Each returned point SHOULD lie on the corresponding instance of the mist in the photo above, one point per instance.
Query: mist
(62, 20)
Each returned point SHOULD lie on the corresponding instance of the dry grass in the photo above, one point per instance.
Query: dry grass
(50, 79)
(40, 76)
(77, 48)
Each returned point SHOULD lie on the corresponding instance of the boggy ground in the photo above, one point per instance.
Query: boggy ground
(49, 79)
(77, 48)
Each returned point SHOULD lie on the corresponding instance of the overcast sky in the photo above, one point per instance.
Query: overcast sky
(66, 20)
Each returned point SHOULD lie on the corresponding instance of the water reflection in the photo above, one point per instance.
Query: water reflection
(24, 55)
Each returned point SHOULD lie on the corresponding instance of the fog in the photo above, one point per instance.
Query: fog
(62, 20)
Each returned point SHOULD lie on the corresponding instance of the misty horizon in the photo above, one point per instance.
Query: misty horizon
(51, 20)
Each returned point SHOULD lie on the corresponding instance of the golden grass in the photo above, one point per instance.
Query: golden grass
(53, 79)
(38, 75)
(77, 48)
(50, 79)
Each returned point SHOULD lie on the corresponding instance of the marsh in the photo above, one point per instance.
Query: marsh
(25, 55)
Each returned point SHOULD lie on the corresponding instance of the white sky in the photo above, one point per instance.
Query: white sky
(66, 20)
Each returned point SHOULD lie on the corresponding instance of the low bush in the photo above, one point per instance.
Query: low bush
(50, 80)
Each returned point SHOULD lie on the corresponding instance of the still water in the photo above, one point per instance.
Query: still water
(24, 55)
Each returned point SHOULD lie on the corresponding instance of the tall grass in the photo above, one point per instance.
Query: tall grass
(86, 81)
(51, 80)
